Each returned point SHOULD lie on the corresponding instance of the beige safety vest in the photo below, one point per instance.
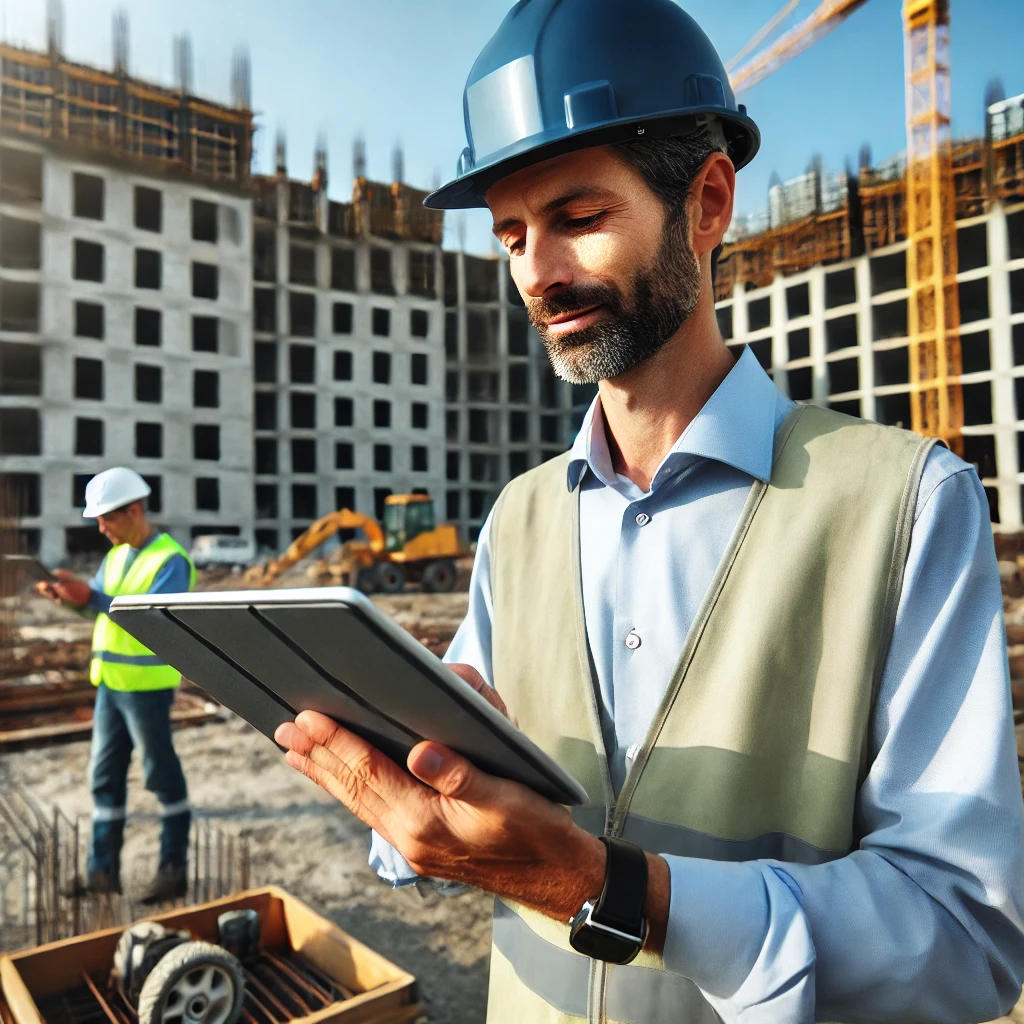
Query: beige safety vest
(760, 743)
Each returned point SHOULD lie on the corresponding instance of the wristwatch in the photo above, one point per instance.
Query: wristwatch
(612, 926)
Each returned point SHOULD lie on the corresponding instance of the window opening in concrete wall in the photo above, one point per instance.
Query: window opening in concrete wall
(451, 282)
(207, 494)
(79, 481)
(519, 383)
(206, 389)
(724, 316)
(345, 497)
(483, 387)
(481, 335)
(419, 368)
(1015, 238)
(303, 456)
(302, 410)
(518, 463)
(801, 384)
(451, 465)
(422, 273)
(518, 426)
(549, 388)
(892, 366)
(518, 333)
(1017, 291)
(481, 279)
(889, 320)
(89, 320)
(980, 449)
(381, 368)
(19, 431)
(264, 362)
(482, 428)
(266, 455)
(451, 425)
(381, 281)
(264, 256)
(206, 442)
(452, 504)
(381, 322)
(893, 410)
(149, 440)
(759, 314)
(19, 244)
(88, 436)
(798, 300)
(87, 261)
(89, 379)
(380, 495)
(21, 176)
(420, 415)
(302, 265)
(382, 458)
(302, 364)
(344, 455)
(762, 352)
(799, 343)
(204, 221)
(888, 273)
(264, 310)
(265, 409)
(148, 268)
(1017, 336)
(451, 335)
(343, 412)
(419, 323)
(24, 491)
(843, 375)
(205, 333)
(381, 413)
(149, 209)
(84, 540)
(155, 501)
(266, 501)
(484, 468)
(850, 407)
(341, 320)
(978, 403)
(342, 364)
(511, 291)
(992, 494)
(343, 270)
(975, 352)
(87, 196)
(840, 288)
(974, 300)
(841, 333)
(480, 503)
(148, 327)
(19, 306)
(148, 383)
(266, 540)
(302, 314)
(972, 247)
(549, 429)
(420, 462)
(205, 280)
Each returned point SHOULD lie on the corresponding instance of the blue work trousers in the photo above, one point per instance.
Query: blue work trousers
(121, 722)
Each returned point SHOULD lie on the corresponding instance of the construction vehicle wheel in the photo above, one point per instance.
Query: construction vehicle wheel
(196, 983)
(390, 577)
(439, 577)
(366, 581)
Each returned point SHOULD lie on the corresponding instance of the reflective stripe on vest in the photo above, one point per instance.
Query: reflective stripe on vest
(761, 740)
(119, 661)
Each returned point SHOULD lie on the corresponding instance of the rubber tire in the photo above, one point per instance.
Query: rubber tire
(439, 577)
(390, 578)
(366, 581)
(180, 961)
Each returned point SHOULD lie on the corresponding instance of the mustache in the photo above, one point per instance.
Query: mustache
(571, 299)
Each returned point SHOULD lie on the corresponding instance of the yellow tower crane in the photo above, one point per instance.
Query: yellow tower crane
(937, 407)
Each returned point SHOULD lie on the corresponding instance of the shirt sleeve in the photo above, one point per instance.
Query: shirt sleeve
(173, 577)
(924, 920)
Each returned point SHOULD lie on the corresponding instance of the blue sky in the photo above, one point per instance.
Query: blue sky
(393, 71)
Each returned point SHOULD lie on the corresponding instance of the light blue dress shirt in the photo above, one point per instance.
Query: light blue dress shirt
(925, 920)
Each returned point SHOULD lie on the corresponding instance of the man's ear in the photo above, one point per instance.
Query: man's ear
(711, 203)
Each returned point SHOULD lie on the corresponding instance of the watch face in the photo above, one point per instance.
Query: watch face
(600, 942)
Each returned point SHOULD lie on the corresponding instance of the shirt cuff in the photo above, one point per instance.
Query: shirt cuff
(389, 864)
(99, 602)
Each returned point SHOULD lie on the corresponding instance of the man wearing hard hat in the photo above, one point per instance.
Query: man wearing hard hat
(767, 638)
(135, 690)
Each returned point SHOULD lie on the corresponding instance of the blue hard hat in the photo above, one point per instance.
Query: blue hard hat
(562, 75)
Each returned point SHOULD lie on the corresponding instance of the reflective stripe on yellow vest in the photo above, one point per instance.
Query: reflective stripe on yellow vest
(761, 741)
(119, 661)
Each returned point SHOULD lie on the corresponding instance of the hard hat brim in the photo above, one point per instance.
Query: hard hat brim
(95, 511)
(467, 192)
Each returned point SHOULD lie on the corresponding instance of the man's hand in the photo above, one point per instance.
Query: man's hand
(477, 681)
(67, 590)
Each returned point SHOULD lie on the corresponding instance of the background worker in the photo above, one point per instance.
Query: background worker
(767, 638)
(135, 690)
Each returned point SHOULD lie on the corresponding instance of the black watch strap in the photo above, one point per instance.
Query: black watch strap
(621, 903)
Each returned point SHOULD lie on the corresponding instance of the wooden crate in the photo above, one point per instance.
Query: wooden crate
(384, 992)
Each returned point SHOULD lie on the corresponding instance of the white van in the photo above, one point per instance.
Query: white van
(222, 549)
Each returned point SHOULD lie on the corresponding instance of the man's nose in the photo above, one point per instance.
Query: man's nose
(543, 269)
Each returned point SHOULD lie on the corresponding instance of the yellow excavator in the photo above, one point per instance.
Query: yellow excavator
(409, 547)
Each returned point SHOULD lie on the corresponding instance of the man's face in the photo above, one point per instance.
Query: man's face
(607, 276)
(121, 525)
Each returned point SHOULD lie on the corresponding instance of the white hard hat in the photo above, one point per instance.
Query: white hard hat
(111, 489)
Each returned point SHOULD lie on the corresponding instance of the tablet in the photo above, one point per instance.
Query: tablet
(269, 654)
(30, 568)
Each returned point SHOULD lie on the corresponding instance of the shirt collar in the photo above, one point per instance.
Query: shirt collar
(736, 426)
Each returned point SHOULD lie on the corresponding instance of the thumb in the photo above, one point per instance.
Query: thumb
(449, 773)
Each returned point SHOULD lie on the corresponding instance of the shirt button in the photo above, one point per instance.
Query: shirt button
(643, 519)
(633, 640)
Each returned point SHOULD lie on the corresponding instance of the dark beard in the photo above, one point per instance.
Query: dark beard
(662, 298)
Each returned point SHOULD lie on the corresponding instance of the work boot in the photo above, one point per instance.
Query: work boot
(170, 883)
(98, 883)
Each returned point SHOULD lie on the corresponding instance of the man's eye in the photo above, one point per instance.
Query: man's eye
(580, 223)
(515, 246)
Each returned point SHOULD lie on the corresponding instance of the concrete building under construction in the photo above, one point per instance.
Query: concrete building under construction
(817, 288)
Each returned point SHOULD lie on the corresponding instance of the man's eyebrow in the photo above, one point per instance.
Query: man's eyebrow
(583, 192)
